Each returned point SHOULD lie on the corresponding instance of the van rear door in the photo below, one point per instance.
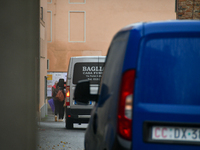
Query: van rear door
(86, 68)
(166, 112)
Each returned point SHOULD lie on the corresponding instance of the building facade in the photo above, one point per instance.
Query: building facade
(86, 27)
(42, 102)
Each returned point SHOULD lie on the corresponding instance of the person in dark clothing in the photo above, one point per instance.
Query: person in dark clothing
(59, 109)
(55, 100)
(61, 105)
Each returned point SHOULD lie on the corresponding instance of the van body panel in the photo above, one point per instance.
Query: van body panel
(132, 49)
(176, 26)
(167, 84)
(69, 73)
(102, 125)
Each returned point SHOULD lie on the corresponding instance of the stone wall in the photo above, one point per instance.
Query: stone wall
(188, 9)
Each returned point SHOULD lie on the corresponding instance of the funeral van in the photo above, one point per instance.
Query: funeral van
(81, 68)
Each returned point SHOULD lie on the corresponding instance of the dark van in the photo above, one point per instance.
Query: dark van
(149, 96)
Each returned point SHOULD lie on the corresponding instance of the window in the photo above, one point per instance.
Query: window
(168, 71)
(77, 1)
(49, 26)
(89, 71)
(77, 26)
(49, 1)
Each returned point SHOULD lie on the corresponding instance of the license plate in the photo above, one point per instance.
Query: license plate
(176, 133)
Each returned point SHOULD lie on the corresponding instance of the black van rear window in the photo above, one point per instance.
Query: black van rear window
(89, 71)
(169, 71)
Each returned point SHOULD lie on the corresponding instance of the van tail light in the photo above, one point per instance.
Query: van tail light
(67, 95)
(124, 123)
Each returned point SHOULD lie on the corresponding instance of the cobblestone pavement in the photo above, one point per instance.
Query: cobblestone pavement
(54, 135)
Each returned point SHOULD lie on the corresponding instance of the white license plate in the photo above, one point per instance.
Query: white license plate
(176, 133)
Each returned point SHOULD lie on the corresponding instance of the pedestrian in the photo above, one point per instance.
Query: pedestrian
(55, 100)
(61, 102)
(59, 109)
(54, 87)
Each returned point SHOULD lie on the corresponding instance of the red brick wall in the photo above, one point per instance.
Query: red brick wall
(188, 9)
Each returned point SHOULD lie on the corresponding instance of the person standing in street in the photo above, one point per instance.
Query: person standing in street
(55, 100)
(61, 103)
(59, 109)
(54, 87)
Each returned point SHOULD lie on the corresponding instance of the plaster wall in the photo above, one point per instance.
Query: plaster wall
(43, 59)
(98, 21)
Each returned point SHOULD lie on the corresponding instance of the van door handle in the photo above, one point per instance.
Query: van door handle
(95, 123)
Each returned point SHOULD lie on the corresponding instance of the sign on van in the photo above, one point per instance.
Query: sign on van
(89, 71)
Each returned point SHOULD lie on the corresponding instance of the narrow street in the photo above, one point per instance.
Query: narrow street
(54, 135)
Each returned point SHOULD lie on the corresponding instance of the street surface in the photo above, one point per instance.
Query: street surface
(54, 135)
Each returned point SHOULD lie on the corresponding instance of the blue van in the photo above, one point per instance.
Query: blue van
(149, 95)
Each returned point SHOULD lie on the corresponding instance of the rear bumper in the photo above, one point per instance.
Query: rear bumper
(124, 144)
(78, 115)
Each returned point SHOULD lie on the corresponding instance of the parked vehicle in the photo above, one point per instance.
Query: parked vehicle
(80, 68)
(149, 96)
